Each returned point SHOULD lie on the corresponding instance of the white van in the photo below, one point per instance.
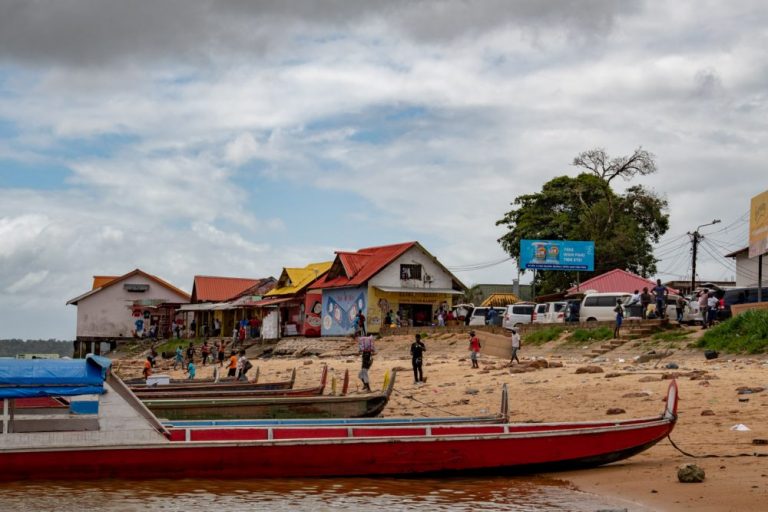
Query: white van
(550, 312)
(479, 314)
(518, 314)
(600, 306)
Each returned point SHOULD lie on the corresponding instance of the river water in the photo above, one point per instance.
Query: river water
(352, 494)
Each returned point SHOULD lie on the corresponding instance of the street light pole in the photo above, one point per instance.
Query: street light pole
(695, 238)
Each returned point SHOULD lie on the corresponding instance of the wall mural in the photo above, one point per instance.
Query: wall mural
(340, 308)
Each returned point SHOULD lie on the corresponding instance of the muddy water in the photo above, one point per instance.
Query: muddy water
(354, 494)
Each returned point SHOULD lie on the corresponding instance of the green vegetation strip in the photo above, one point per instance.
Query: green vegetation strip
(597, 334)
(544, 335)
(746, 333)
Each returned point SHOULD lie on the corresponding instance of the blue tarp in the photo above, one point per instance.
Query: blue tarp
(24, 378)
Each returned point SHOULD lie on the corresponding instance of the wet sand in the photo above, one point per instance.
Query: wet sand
(559, 394)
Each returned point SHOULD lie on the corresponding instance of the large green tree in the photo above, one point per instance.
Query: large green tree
(586, 207)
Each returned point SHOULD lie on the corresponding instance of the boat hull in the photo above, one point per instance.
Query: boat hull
(370, 451)
(362, 406)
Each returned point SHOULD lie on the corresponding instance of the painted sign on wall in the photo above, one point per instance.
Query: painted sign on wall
(758, 225)
(313, 310)
(557, 255)
(340, 308)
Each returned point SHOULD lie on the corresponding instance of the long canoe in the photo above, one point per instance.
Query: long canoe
(225, 384)
(160, 392)
(137, 446)
(352, 406)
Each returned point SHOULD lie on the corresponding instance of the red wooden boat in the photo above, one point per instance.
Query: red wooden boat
(216, 391)
(136, 446)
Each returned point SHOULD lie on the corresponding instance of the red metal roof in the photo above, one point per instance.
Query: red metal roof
(616, 280)
(219, 289)
(356, 268)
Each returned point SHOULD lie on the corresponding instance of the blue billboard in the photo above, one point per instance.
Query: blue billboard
(557, 255)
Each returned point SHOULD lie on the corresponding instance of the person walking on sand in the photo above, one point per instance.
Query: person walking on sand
(232, 368)
(515, 346)
(179, 359)
(190, 352)
(221, 353)
(417, 356)
(474, 349)
(191, 370)
(243, 365)
(205, 350)
(365, 345)
(619, 310)
(147, 371)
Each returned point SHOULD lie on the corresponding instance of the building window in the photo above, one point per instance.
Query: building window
(410, 272)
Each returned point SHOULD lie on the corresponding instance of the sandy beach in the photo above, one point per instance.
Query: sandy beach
(649, 480)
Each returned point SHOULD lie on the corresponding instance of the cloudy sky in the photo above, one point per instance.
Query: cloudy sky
(234, 137)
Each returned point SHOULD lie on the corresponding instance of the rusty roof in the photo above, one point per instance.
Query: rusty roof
(218, 289)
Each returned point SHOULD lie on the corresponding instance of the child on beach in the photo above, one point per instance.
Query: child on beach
(515, 346)
(147, 371)
(179, 359)
(232, 369)
(474, 349)
(191, 370)
(417, 353)
(365, 345)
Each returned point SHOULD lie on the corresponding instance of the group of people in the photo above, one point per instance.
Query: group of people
(709, 306)
(237, 366)
(657, 297)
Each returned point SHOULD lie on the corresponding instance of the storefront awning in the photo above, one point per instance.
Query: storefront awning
(435, 291)
(273, 302)
(206, 306)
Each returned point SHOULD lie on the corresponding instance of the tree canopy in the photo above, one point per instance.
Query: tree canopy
(585, 207)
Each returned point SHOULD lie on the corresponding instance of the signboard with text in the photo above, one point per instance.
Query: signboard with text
(557, 255)
(758, 225)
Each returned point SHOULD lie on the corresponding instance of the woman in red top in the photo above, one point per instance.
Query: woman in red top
(474, 348)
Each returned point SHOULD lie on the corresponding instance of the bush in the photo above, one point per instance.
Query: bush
(544, 335)
(597, 334)
(745, 333)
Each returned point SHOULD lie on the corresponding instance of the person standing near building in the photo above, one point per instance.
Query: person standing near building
(474, 349)
(515, 346)
(660, 292)
(645, 301)
(703, 296)
(417, 358)
(619, 310)
(712, 307)
(680, 308)
(216, 328)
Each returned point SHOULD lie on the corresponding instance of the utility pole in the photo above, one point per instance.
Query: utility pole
(695, 239)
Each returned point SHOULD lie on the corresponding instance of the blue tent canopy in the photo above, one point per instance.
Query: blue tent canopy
(25, 378)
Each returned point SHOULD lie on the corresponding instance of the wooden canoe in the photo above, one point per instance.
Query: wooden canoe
(226, 384)
(353, 406)
(213, 391)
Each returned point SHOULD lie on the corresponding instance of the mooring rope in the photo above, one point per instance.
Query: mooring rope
(410, 397)
(714, 456)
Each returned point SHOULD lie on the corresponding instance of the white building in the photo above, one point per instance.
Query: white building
(746, 268)
(124, 307)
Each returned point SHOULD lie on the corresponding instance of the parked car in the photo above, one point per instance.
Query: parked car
(479, 316)
(600, 306)
(733, 296)
(518, 314)
(572, 310)
(550, 312)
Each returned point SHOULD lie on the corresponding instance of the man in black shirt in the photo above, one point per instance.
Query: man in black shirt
(417, 352)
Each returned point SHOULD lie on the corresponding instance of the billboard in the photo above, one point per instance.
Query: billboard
(557, 255)
(758, 225)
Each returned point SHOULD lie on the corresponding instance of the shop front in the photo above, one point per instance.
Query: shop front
(414, 307)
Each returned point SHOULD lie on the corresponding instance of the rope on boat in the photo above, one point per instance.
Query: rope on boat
(713, 456)
(410, 397)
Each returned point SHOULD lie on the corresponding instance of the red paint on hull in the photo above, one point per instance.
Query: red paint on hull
(326, 457)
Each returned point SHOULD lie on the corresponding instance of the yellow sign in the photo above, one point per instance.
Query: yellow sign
(758, 225)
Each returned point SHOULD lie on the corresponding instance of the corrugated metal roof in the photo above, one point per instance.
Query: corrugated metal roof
(362, 265)
(500, 299)
(122, 278)
(616, 280)
(219, 289)
(294, 280)
(99, 281)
